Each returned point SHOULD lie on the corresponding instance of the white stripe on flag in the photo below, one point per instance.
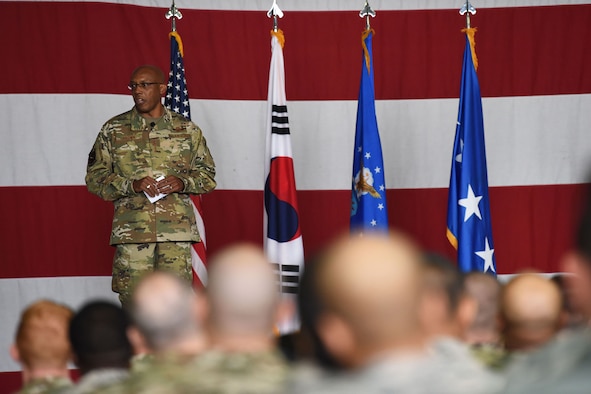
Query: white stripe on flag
(198, 256)
(410, 130)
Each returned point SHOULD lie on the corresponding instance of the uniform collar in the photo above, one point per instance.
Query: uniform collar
(138, 122)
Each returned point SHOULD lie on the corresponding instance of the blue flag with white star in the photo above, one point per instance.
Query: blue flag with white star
(368, 198)
(469, 227)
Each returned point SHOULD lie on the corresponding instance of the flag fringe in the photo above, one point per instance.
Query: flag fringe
(177, 37)
(471, 32)
(364, 35)
(279, 35)
(452, 239)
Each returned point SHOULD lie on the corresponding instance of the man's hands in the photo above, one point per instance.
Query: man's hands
(170, 184)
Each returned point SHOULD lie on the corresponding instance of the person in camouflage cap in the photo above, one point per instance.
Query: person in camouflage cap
(150, 151)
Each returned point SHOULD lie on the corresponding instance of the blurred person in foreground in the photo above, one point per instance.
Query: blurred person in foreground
(531, 312)
(573, 318)
(483, 334)
(244, 305)
(564, 363)
(102, 351)
(370, 291)
(167, 322)
(448, 311)
(42, 348)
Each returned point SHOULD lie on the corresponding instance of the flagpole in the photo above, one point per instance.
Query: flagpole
(275, 13)
(467, 9)
(367, 12)
(173, 14)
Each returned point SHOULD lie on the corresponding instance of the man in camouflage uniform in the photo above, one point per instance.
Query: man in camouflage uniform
(149, 151)
(371, 295)
(242, 358)
(563, 364)
(42, 348)
(168, 323)
(98, 335)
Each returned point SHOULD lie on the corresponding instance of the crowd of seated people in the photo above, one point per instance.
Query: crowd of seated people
(379, 315)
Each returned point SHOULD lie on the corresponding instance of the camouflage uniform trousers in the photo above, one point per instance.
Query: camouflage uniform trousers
(132, 261)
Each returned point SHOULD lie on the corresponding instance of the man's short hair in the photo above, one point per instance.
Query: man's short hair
(442, 275)
(42, 335)
(162, 308)
(98, 334)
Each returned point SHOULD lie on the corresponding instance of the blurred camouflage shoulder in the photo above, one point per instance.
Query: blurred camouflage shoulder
(47, 385)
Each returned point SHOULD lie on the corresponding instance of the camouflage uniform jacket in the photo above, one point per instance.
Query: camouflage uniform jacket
(209, 373)
(98, 379)
(128, 148)
(47, 385)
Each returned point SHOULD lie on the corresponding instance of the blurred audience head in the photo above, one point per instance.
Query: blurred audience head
(485, 290)
(531, 311)
(369, 290)
(243, 298)
(578, 261)
(167, 315)
(572, 317)
(98, 335)
(447, 308)
(42, 339)
(310, 309)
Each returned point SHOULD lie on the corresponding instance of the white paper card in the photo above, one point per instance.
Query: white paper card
(158, 196)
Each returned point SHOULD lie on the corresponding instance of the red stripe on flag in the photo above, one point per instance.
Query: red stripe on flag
(419, 62)
(532, 225)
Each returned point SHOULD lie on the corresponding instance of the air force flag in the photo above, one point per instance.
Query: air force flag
(368, 197)
(468, 212)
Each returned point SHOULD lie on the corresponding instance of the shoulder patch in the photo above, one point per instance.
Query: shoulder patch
(91, 158)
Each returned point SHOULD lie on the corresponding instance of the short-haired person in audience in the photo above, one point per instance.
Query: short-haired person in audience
(573, 318)
(563, 365)
(42, 347)
(448, 312)
(371, 290)
(483, 334)
(167, 321)
(244, 305)
(485, 290)
(531, 312)
(448, 309)
(242, 358)
(102, 351)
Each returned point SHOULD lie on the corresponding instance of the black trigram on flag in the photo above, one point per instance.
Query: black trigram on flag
(288, 277)
(279, 120)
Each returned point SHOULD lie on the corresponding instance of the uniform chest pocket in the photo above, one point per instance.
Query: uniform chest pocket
(178, 148)
(130, 151)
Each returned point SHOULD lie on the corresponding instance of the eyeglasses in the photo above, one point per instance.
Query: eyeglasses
(143, 85)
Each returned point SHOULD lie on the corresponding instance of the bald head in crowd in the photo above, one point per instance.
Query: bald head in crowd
(42, 346)
(369, 288)
(531, 311)
(168, 314)
(243, 298)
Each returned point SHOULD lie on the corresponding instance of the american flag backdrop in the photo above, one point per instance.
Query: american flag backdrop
(177, 99)
(66, 65)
